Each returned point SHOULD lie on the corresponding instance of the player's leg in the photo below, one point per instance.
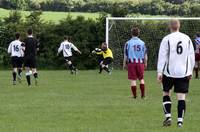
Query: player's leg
(168, 83)
(142, 88)
(105, 64)
(140, 73)
(19, 69)
(71, 67)
(132, 77)
(100, 67)
(196, 69)
(34, 70)
(134, 88)
(27, 68)
(181, 108)
(14, 74)
(35, 75)
(28, 75)
(181, 88)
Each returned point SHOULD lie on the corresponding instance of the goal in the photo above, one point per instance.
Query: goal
(118, 32)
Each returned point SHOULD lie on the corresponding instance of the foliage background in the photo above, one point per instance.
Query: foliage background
(88, 33)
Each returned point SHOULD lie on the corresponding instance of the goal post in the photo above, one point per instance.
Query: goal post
(153, 29)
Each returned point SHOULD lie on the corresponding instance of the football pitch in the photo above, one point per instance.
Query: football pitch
(89, 102)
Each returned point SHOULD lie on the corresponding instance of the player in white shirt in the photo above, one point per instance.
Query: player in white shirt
(175, 66)
(197, 55)
(66, 47)
(16, 50)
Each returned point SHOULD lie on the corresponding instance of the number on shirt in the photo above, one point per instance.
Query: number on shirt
(67, 46)
(179, 48)
(137, 47)
(16, 48)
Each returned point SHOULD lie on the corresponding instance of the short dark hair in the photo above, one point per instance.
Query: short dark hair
(30, 31)
(66, 37)
(135, 31)
(17, 35)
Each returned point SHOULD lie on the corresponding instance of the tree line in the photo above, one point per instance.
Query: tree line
(85, 34)
(154, 7)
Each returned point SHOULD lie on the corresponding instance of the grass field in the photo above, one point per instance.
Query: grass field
(88, 102)
(53, 16)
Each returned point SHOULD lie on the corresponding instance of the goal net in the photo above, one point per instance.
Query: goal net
(118, 32)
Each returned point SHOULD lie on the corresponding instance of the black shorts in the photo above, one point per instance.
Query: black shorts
(30, 62)
(107, 61)
(67, 59)
(181, 85)
(16, 62)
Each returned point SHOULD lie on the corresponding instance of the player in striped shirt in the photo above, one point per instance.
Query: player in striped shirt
(197, 55)
(135, 55)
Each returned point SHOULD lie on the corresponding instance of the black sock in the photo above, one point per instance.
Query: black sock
(19, 72)
(28, 78)
(181, 110)
(14, 76)
(100, 69)
(35, 75)
(72, 67)
(167, 106)
(106, 69)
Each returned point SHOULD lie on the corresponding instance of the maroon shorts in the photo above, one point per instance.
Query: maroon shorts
(135, 71)
(197, 57)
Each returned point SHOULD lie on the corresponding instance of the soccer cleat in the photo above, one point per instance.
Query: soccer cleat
(14, 82)
(167, 122)
(180, 124)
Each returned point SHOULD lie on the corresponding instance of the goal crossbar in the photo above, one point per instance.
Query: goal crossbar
(143, 18)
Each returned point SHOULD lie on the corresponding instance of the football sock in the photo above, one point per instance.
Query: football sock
(35, 75)
(197, 72)
(142, 89)
(19, 72)
(14, 76)
(106, 69)
(167, 106)
(28, 78)
(100, 69)
(134, 92)
(71, 67)
(181, 110)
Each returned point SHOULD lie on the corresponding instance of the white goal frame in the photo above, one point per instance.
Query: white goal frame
(108, 27)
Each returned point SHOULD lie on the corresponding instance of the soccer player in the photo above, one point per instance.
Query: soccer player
(31, 47)
(107, 57)
(135, 55)
(16, 50)
(197, 55)
(67, 47)
(175, 66)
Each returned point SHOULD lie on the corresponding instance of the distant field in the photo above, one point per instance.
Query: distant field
(53, 16)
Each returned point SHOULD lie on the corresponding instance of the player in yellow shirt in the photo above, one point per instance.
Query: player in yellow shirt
(107, 57)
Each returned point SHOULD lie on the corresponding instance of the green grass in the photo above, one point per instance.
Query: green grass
(88, 102)
(53, 16)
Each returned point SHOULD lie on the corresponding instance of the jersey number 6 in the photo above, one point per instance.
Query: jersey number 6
(179, 48)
